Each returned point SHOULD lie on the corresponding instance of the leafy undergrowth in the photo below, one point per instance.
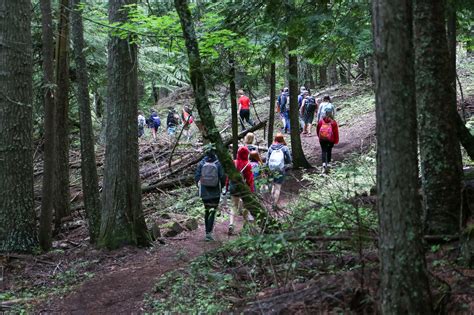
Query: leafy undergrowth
(328, 235)
(324, 258)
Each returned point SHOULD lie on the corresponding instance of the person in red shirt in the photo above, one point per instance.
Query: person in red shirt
(328, 133)
(244, 109)
(244, 166)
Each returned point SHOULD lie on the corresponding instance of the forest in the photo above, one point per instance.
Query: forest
(247, 156)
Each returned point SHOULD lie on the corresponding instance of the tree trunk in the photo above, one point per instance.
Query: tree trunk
(343, 75)
(61, 182)
(440, 153)
(49, 155)
(271, 114)
(323, 76)
(404, 280)
(90, 186)
(17, 215)
(361, 67)
(122, 220)
(333, 80)
(465, 136)
(233, 105)
(211, 133)
(299, 160)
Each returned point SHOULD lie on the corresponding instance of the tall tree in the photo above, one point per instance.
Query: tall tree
(404, 280)
(49, 155)
(90, 186)
(271, 114)
(299, 160)
(17, 216)
(440, 152)
(211, 133)
(234, 109)
(122, 220)
(61, 181)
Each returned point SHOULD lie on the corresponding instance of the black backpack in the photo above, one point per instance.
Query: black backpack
(310, 103)
(282, 100)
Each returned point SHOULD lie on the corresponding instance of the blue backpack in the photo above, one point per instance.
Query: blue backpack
(156, 121)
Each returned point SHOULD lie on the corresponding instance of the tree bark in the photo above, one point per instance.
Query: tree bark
(333, 79)
(17, 215)
(465, 136)
(440, 152)
(61, 181)
(361, 67)
(122, 220)
(271, 114)
(90, 186)
(404, 280)
(49, 155)
(211, 132)
(299, 160)
(323, 76)
(234, 109)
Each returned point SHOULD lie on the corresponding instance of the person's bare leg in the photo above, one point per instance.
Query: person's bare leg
(276, 194)
(233, 210)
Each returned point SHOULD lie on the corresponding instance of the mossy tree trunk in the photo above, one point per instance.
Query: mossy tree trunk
(299, 160)
(17, 215)
(404, 279)
(122, 220)
(234, 109)
(211, 133)
(90, 186)
(323, 75)
(440, 152)
(271, 114)
(61, 181)
(49, 155)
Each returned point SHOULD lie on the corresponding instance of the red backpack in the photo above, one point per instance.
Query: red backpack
(325, 132)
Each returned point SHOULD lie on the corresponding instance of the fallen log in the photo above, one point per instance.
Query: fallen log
(183, 181)
(199, 157)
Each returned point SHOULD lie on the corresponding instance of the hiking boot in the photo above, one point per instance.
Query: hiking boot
(324, 169)
(231, 230)
(209, 237)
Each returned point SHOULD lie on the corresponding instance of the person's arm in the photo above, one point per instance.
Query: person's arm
(269, 152)
(287, 155)
(318, 127)
(240, 104)
(249, 177)
(197, 175)
(303, 103)
(319, 114)
(335, 131)
(222, 176)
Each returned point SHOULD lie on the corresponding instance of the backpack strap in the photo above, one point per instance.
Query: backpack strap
(243, 169)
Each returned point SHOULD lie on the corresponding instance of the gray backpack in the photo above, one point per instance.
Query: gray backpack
(210, 174)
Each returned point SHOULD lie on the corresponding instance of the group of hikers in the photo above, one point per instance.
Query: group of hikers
(255, 171)
(173, 120)
(308, 106)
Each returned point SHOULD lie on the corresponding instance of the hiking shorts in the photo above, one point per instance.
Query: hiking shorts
(309, 116)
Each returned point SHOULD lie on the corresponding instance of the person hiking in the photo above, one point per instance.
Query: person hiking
(244, 109)
(141, 124)
(326, 108)
(187, 119)
(210, 179)
(307, 110)
(249, 142)
(154, 123)
(301, 97)
(278, 157)
(171, 121)
(243, 165)
(283, 102)
(256, 164)
(328, 133)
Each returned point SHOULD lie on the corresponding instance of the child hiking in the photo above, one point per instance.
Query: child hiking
(328, 133)
(249, 142)
(141, 124)
(172, 121)
(278, 156)
(283, 102)
(210, 179)
(243, 165)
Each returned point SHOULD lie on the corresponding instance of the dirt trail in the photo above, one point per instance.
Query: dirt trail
(122, 289)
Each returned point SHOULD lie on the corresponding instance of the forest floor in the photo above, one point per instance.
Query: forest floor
(76, 278)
